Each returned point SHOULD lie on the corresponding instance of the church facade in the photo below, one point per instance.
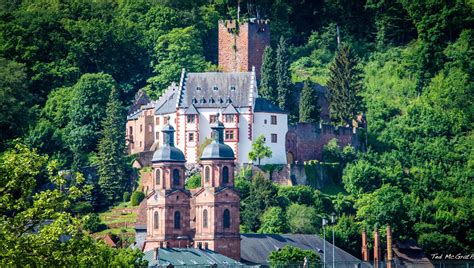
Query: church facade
(193, 102)
(204, 218)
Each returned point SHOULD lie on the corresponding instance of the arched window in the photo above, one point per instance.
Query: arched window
(225, 174)
(158, 177)
(177, 220)
(204, 219)
(175, 177)
(226, 218)
(156, 220)
(207, 173)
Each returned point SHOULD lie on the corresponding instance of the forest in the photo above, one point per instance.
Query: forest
(70, 68)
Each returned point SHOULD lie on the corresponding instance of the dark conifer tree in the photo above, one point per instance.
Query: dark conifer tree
(344, 86)
(268, 78)
(283, 79)
(309, 109)
(112, 150)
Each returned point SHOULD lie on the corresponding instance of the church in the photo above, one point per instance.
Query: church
(204, 218)
(192, 103)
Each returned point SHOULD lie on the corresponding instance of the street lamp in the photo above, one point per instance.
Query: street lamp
(333, 221)
(324, 242)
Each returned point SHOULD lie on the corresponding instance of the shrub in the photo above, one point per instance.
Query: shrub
(137, 198)
(289, 255)
(194, 181)
(82, 207)
(126, 196)
(92, 223)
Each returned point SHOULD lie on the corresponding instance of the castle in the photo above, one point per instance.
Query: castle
(193, 102)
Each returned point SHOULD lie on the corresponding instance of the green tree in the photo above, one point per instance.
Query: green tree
(193, 181)
(14, 99)
(268, 80)
(383, 206)
(344, 87)
(261, 196)
(362, 177)
(299, 194)
(111, 155)
(309, 109)
(87, 113)
(38, 221)
(259, 150)
(347, 234)
(283, 78)
(302, 219)
(289, 256)
(273, 221)
(178, 49)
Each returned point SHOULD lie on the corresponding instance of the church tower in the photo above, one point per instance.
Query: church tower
(168, 204)
(241, 45)
(217, 203)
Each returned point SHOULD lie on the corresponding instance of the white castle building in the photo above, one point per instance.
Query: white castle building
(194, 103)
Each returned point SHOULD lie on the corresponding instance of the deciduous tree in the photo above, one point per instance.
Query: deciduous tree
(259, 150)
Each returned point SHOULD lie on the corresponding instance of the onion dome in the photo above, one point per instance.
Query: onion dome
(167, 152)
(217, 149)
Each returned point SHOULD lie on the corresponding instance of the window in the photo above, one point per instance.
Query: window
(140, 144)
(215, 88)
(158, 177)
(274, 119)
(204, 219)
(190, 118)
(225, 174)
(229, 118)
(232, 88)
(157, 120)
(157, 134)
(156, 220)
(226, 219)
(130, 131)
(190, 136)
(212, 119)
(274, 138)
(207, 174)
(177, 220)
(265, 121)
(198, 88)
(175, 177)
(229, 135)
(150, 128)
(141, 128)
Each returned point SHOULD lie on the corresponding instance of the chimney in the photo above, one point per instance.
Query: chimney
(155, 253)
(376, 248)
(365, 252)
(206, 245)
(389, 247)
(199, 245)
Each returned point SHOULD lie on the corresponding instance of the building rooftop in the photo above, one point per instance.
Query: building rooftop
(188, 257)
(216, 89)
(255, 248)
(264, 105)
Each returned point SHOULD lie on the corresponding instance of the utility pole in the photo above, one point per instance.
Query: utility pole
(338, 36)
(238, 10)
(333, 221)
(324, 242)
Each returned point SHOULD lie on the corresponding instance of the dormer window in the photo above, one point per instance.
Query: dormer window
(202, 100)
(215, 88)
(211, 100)
(232, 88)
(198, 88)
(228, 100)
(195, 100)
(221, 100)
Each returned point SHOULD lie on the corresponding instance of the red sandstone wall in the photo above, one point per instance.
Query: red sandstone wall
(305, 141)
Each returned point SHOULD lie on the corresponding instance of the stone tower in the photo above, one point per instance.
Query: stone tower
(241, 45)
(217, 202)
(168, 204)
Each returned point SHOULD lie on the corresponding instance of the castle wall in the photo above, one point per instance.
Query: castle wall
(305, 141)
